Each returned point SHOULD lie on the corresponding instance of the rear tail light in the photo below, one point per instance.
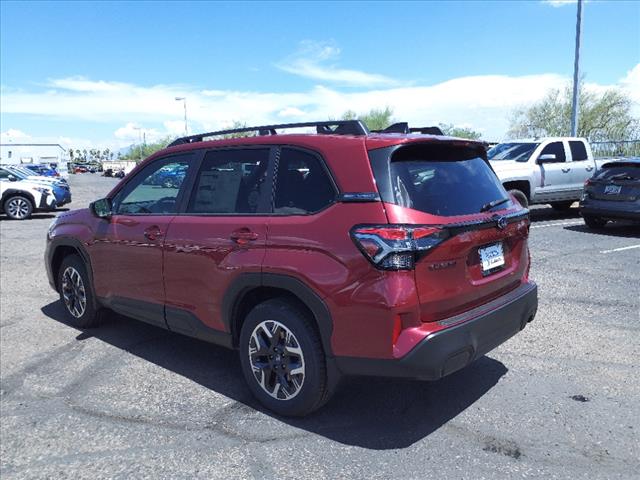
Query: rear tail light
(396, 247)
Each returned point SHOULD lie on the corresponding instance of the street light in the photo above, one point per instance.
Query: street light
(184, 101)
(139, 139)
(576, 74)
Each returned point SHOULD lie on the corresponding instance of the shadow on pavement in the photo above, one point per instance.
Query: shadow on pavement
(35, 216)
(612, 229)
(375, 413)
(547, 213)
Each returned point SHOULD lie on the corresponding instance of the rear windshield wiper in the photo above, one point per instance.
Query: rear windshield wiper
(494, 203)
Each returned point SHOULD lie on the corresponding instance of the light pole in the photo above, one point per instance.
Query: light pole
(184, 101)
(576, 74)
(140, 140)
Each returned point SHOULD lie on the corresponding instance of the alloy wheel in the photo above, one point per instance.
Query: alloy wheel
(276, 359)
(18, 208)
(73, 292)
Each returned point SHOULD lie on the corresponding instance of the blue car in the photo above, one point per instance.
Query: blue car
(42, 170)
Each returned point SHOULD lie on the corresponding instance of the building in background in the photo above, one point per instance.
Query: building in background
(37, 153)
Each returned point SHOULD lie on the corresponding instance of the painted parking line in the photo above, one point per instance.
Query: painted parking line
(558, 224)
(620, 249)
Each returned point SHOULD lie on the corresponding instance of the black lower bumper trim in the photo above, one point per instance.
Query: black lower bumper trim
(610, 213)
(451, 349)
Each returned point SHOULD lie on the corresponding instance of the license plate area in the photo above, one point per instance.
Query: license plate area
(491, 258)
(612, 189)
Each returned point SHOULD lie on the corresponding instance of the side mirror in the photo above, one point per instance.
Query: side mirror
(547, 158)
(102, 208)
(12, 178)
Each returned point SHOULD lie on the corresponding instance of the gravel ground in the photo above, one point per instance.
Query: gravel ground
(129, 400)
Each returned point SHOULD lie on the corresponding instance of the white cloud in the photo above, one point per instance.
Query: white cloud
(483, 103)
(13, 135)
(134, 133)
(311, 61)
(290, 112)
(559, 3)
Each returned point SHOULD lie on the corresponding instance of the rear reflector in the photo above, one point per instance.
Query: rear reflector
(396, 247)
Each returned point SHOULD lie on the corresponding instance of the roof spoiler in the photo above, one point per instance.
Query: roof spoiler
(403, 127)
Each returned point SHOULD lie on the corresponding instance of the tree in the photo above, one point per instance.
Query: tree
(139, 152)
(603, 116)
(375, 119)
(235, 125)
(461, 132)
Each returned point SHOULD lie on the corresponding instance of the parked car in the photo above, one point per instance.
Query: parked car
(59, 187)
(544, 170)
(337, 253)
(168, 177)
(20, 198)
(42, 170)
(612, 194)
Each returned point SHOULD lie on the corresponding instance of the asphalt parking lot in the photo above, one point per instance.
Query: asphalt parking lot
(128, 400)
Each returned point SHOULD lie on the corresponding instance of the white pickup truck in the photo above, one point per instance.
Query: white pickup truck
(544, 170)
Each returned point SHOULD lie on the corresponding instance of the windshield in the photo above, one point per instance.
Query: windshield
(23, 171)
(17, 173)
(520, 152)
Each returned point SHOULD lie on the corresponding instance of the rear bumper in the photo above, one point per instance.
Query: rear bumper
(453, 348)
(614, 210)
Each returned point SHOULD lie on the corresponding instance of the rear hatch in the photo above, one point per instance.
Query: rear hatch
(617, 182)
(470, 236)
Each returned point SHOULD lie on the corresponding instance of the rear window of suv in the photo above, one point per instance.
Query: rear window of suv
(623, 171)
(442, 180)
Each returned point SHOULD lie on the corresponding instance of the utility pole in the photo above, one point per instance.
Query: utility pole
(140, 140)
(184, 101)
(576, 74)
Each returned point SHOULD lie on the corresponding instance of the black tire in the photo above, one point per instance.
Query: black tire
(79, 315)
(18, 207)
(313, 391)
(562, 206)
(521, 197)
(594, 222)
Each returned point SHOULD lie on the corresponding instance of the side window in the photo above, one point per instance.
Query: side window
(231, 181)
(558, 149)
(578, 151)
(155, 189)
(303, 185)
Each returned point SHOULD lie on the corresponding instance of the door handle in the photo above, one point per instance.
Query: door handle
(153, 233)
(243, 236)
(588, 169)
(566, 170)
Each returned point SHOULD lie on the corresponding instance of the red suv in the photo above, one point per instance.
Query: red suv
(340, 252)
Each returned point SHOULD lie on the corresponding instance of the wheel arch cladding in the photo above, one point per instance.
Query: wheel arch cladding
(64, 247)
(250, 289)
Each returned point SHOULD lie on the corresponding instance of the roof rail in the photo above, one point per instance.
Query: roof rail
(403, 127)
(341, 127)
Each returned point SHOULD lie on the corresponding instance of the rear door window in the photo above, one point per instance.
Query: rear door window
(578, 151)
(231, 182)
(440, 180)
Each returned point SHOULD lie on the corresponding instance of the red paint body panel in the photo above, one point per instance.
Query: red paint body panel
(125, 262)
(201, 261)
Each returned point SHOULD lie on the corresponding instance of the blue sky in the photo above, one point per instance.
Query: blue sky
(89, 73)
